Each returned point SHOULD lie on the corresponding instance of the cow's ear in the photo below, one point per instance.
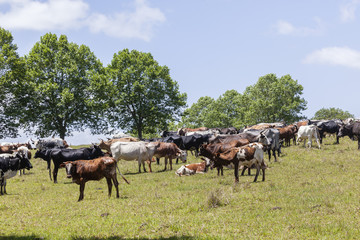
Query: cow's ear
(62, 165)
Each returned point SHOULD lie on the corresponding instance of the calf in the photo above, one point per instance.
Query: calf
(193, 168)
(169, 151)
(249, 155)
(308, 132)
(82, 171)
(287, 133)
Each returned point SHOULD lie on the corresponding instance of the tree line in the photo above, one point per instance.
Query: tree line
(60, 87)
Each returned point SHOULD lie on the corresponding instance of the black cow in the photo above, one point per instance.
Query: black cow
(324, 127)
(9, 166)
(351, 130)
(59, 156)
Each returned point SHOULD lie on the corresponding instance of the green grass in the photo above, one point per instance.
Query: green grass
(308, 194)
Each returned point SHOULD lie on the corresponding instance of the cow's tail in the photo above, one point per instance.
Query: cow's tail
(117, 167)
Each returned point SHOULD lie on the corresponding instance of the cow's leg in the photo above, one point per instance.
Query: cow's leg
(257, 172)
(158, 161)
(170, 161)
(166, 162)
(1, 186)
(116, 184)
(358, 142)
(55, 172)
(109, 183)
(274, 154)
(236, 171)
(49, 167)
(139, 166)
(149, 164)
(337, 139)
(5, 186)
(243, 171)
(263, 167)
(82, 188)
(321, 137)
(269, 153)
(249, 171)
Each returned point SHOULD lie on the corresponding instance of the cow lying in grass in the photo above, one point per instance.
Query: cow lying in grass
(193, 168)
(82, 171)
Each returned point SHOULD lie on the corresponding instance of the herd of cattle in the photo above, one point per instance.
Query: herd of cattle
(217, 147)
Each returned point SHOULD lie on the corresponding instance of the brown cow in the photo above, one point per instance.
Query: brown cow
(183, 131)
(193, 168)
(287, 133)
(82, 171)
(249, 155)
(7, 149)
(210, 151)
(169, 151)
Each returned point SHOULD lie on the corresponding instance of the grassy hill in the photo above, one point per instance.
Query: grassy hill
(308, 194)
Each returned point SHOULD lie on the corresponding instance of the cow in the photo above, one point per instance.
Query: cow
(210, 150)
(9, 165)
(24, 151)
(287, 133)
(106, 144)
(352, 130)
(42, 144)
(166, 133)
(7, 149)
(139, 151)
(60, 155)
(229, 130)
(183, 131)
(82, 171)
(327, 127)
(308, 132)
(260, 126)
(193, 168)
(169, 151)
(248, 155)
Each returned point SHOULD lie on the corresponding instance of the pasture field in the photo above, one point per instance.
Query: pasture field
(308, 194)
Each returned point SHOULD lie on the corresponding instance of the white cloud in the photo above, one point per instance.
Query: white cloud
(347, 11)
(285, 28)
(137, 24)
(339, 56)
(51, 15)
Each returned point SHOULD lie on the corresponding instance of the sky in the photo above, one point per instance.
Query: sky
(212, 46)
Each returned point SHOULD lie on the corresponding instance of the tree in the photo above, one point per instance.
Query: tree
(143, 98)
(12, 70)
(222, 112)
(61, 75)
(274, 99)
(332, 113)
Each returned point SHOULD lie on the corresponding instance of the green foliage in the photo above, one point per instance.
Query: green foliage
(332, 113)
(60, 75)
(12, 71)
(223, 112)
(274, 99)
(143, 97)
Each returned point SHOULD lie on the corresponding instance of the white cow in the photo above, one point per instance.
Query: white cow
(139, 151)
(308, 132)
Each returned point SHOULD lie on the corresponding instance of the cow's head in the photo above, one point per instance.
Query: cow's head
(263, 139)
(96, 151)
(345, 130)
(24, 161)
(183, 155)
(70, 168)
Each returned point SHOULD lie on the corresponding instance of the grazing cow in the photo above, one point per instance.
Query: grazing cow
(351, 130)
(139, 151)
(42, 144)
(308, 132)
(327, 127)
(193, 168)
(58, 156)
(82, 171)
(287, 133)
(9, 165)
(249, 155)
(169, 151)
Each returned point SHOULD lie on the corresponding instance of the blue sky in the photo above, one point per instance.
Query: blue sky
(212, 46)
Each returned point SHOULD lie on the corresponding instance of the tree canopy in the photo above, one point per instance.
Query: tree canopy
(12, 70)
(332, 113)
(143, 97)
(60, 75)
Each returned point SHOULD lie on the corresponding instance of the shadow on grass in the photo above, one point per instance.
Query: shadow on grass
(20, 237)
